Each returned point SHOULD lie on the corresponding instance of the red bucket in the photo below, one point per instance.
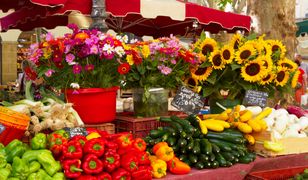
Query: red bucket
(94, 105)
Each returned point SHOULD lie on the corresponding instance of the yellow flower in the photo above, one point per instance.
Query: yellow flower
(145, 51)
(268, 79)
(207, 46)
(267, 62)
(282, 76)
(216, 60)
(244, 53)
(292, 66)
(129, 59)
(193, 84)
(47, 53)
(235, 41)
(202, 57)
(227, 54)
(295, 78)
(277, 47)
(200, 73)
(253, 71)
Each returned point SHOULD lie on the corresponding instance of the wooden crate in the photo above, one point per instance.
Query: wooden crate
(291, 145)
(108, 127)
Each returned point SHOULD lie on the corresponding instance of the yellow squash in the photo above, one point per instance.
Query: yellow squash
(214, 126)
(243, 127)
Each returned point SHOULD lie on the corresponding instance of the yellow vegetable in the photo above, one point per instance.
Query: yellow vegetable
(208, 116)
(243, 127)
(165, 153)
(152, 158)
(221, 122)
(254, 125)
(263, 124)
(159, 168)
(267, 111)
(246, 116)
(93, 135)
(203, 127)
(214, 126)
(273, 146)
(250, 139)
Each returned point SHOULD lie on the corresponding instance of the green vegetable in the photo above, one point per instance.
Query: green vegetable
(212, 157)
(50, 165)
(165, 119)
(214, 164)
(221, 144)
(13, 178)
(40, 175)
(184, 123)
(171, 141)
(221, 160)
(14, 149)
(157, 133)
(39, 141)
(164, 138)
(225, 136)
(182, 142)
(4, 173)
(170, 130)
(193, 158)
(20, 168)
(31, 155)
(215, 148)
(59, 176)
(176, 126)
(196, 148)
(205, 146)
(228, 156)
(199, 165)
(34, 166)
(204, 158)
(2, 161)
(245, 159)
(193, 120)
(190, 144)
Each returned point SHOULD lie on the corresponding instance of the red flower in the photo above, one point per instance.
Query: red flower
(136, 57)
(124, 68)
(31, 74)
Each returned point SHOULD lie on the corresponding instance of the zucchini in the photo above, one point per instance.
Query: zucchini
(147, 139)
(196, 149)
(245, 160)
(221, 160)
(193, 158)
(170, 130)
(223, 136)
(229, 163)
(183, 134)
(175, 148)
(228, 156)
(190, 144)
(233, 132)
(184, 123)
(183, 157)
(165, 119)
(199, 165)
(212, 157)
(205, 146)
(221, 144)
(214, 164)
(176, 126)
(193, 120)
(197, 133)
(164, 138)
(182, 150)
(241, 152)
(251, 155)
(208, 165)
(235, 160)
(204, 158)
(157, 133)
(215, 148)
(235, 153)
(171, 140)
(182, 143)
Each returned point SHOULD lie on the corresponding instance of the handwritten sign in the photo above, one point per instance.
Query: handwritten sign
(255, 98)
(76, 131)
(187, 101)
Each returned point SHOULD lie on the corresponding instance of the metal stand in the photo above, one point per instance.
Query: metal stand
(99, 15)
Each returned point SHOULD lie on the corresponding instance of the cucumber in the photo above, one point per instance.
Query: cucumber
(175, 148)
(171, 140)
(225, 137)
(228, 156)
(204, 158)
(183, 157)
(176, 126)
(212, 157)
(229, 163)
(196, 149)
(147, 139)
(214, 164)
(221, 144)
(236, 160)
(190, 144)
(164, 138)
(235, 153)
(165, 119)
(193, 158)
(193, 120)
(221, 160)
(182, 150)
(182, 143)
(215, 148)
(189, 137)
(205, 146)
(199, 165)
(157, 133)
(208, 165)
(170, 130)
(251, 155)
(245, 160)
(197, 133)
(241, 152)
(183, 134)
(184, 123)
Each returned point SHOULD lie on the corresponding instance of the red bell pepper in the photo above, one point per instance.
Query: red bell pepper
(111, 160)
(143, 158)
(82, 140)
(95, 146)
(87, 177)
(104, 176)
(143, 173)
(129, 162)
(121, 174)
(72, 150)
(111, 145)
(56, 143)
(139, 144)
(72, 168)
(125, 141)
(91, 164)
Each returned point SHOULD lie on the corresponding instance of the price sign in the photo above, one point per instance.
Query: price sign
(76, 131)
(255, 98)
(187, 101)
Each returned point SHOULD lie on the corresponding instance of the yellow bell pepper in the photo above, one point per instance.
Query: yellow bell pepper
(159, 168)
(165, 153)
(93, 135)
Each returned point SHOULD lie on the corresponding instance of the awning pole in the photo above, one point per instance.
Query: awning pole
(99, 15)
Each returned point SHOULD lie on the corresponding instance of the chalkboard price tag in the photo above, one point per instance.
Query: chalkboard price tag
(255, 98)
(188, 101)
(76, 131)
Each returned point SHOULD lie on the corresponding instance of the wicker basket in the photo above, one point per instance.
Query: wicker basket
(108, 127)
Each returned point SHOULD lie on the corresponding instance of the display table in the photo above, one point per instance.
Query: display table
(239, 171)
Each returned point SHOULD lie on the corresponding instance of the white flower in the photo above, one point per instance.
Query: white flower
(72, 63)
(124, 39)
(75, 85)
(102, 36)
(109, 49)
(133, 41)
(120, 51)
(118, 37)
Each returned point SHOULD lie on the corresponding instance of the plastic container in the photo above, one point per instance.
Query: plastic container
(94, 105)
(277, 174)
(12, 125)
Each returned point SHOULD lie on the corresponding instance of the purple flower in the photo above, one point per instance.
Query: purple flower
(73, 27)
(89, 67)
(69, 58)
(164, 69)
(49, 72)
(49, 36)
(35, 55)
(67, 49)
(77, 69)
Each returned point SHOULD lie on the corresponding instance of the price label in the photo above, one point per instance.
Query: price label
(255, 98)
(187, 101)
(76, 131)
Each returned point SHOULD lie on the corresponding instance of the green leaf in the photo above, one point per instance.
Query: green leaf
(212, 78)
(235, 66)
(208, 90)
(252, 36)
(202, 35)
(136, 76)
(246, 85)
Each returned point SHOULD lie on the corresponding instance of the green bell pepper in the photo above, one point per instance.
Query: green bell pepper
(14, 149)
(20, 168)
(2, 161)
(34, 166)
(48, 162)
(1, 146)
(61, 132)
(39, 141)
(13, 178)
(59, 176)
(4, 173)
(40, 175)
(31, 155)
(12, 145)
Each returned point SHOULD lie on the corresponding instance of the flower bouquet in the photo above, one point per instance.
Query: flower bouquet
(226, 71)
(155, 67)
(82, 63)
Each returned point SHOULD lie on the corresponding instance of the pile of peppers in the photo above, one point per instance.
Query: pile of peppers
(110, 157)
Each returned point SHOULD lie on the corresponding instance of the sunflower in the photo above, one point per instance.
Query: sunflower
(267, 62)
(267, 51)
(193, 84)
(282, 76)
(244, 53)
(292, 66)
(253, 71)
(216, 60)
(235, 41)
(256, 44)
(200, 73)
(295, 78)
(227, 54)
(267, 79)
(277, 47)
(207, 46)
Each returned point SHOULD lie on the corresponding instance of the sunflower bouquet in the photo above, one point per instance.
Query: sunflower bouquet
(226, 71)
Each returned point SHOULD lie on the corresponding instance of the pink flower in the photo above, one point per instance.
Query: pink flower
(49, 36)
(164, 69)
(89, 67)
(69, 58)
(173, 61)
(94, 49)
(77, 69)
(49, 72)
